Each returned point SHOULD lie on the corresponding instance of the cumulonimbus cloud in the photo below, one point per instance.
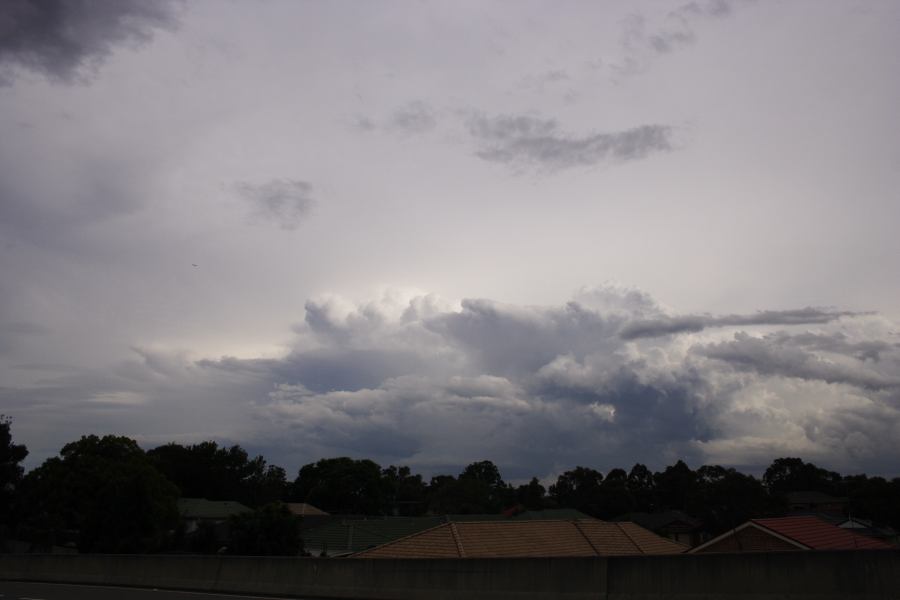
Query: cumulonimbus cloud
(66, 39)
(437, 384)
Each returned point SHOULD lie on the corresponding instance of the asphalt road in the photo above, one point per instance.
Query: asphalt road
(14, 590)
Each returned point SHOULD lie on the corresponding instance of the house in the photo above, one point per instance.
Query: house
(788, 534)
(206, 521)
(868, 528)
(673, 524)
(526, 538)
(195, 511)
(815, 502)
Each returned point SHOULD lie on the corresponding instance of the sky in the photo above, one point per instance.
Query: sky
(545, 234)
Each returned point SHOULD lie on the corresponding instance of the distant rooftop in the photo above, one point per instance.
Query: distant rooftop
(201, 508)
(302, 509)
(656, 521)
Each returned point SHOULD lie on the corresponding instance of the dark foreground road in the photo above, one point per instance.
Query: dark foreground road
(13, 590)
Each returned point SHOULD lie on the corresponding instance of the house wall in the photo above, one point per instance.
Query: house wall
(871, 574)
(749, 539)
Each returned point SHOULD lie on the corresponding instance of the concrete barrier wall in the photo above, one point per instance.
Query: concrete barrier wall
(782, 576)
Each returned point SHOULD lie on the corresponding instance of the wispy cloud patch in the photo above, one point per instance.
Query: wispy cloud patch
(282, 202)
(526, 141)
(415, 117)
(669, 325)
(643, 40)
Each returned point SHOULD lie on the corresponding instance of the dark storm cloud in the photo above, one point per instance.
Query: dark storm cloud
(66, 39)
(530, 141)
(665, 325)
(283, 202)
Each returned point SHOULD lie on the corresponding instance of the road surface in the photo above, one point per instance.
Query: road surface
(14, 590)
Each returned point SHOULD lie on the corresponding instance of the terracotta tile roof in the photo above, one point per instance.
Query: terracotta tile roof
(819, 535)
(532, 538)
(344, 536)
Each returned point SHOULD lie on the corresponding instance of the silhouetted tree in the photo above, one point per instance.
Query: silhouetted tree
(406, 492)
(579, 489)
(103, 491)
(873, 498)
(11, 455)
(443, 495)
(675, 486)
(642, 488)
(725, 498)
(793, 475)
(478, 489)
(485, 490)
(615, 497)
(532, 495)
(343, 486)
(206, 470)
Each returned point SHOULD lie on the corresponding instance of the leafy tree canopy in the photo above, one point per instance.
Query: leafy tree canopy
(343, 486)
(104, 493)
(206, 470)
(11, 455)
(794, 475)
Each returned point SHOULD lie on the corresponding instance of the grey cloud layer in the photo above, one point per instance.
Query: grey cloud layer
(534, 388)
(65, 39)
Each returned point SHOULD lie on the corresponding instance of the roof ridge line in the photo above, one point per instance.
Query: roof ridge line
(455, 534)
(628, 535)
(585, 536)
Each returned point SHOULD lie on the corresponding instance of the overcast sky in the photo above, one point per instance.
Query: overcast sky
(546, 234)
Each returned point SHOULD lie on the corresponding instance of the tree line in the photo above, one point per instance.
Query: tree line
(107, 494)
